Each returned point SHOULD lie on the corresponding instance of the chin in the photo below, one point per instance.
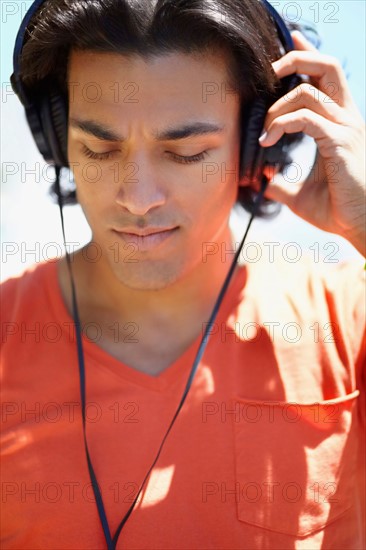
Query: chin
(147, 276)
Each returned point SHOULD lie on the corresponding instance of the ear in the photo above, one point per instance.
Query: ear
(269, 171)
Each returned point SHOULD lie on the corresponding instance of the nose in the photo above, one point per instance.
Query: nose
(139, 186)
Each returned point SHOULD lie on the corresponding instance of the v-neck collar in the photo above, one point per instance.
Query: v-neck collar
(102, 359)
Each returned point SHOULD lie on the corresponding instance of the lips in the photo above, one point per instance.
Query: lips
(144, 232)
(146, 239)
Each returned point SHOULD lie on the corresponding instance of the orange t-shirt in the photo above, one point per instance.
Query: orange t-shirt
(267, 451)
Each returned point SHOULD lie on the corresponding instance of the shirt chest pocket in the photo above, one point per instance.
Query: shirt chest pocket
(295, 464)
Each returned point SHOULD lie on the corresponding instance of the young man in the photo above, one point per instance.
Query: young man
(267, 450)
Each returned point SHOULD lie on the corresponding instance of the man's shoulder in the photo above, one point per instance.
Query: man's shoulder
(294, 273)
(27, 287)
(307, 285)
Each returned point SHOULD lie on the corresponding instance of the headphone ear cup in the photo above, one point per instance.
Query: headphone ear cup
(54, 116)
(253, 116)
(253, 157)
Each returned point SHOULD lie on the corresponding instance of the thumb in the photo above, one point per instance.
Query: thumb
(281, 188)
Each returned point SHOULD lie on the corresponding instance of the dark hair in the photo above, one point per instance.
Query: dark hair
(148, 28)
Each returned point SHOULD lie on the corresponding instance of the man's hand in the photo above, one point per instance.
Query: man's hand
(333, 196)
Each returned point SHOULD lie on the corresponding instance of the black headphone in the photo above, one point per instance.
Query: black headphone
(47, 111)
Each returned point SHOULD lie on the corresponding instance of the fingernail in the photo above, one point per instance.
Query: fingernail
(299, 33)
(263, 136)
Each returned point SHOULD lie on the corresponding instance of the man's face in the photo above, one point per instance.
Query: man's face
(137, 119)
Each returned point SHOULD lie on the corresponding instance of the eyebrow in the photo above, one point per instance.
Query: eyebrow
(106, 133)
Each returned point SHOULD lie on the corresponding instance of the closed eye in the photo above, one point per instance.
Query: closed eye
(97, 156)
(178, 158)
(191, 159)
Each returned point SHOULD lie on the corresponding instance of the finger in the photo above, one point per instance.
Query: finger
(279, 189)
(301, 42)
(309, 97)
(292, 185)
(323, 131)
(325, 68)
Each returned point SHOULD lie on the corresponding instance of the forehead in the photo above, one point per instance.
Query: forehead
(172, 83)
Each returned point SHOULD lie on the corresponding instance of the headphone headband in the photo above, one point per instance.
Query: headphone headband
(18, 47)
(282, 29)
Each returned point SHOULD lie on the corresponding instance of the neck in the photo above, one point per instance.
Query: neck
(164, 322)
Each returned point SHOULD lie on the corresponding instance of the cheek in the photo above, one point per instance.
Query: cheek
(94, 183)
(94, 203)
(210, 209)
(222, 180)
